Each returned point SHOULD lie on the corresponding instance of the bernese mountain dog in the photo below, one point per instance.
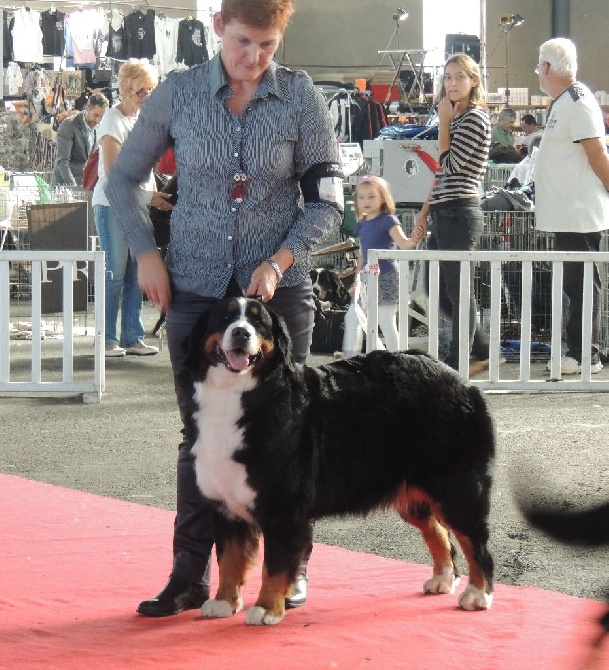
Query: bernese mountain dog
(278, 445)
(329, 288)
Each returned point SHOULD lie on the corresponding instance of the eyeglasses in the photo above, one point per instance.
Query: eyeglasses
(538, 68)
(143, 93)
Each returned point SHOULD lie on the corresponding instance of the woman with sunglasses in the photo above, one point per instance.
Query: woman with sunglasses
(135, 83)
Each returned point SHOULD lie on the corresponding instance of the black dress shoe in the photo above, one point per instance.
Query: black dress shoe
(178, 595)
(299, 592)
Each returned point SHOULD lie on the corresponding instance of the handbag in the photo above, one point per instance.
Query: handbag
(89, 173)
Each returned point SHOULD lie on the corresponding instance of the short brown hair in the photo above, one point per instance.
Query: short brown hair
(258, 13)
(98, 100)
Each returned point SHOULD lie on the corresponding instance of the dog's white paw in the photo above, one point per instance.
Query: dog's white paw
(475, 599)
(447, 582)
(219, 609)
(258, 616)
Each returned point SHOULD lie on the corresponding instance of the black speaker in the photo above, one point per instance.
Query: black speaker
(460, 43)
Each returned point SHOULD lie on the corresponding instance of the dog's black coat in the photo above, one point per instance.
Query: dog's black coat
(349, 437)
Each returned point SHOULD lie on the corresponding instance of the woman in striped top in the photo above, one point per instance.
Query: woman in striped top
(454, 202)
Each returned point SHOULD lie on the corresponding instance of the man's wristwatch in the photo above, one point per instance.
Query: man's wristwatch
(275, 267)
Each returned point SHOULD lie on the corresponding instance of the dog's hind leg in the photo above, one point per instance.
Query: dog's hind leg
(415, 507)
(237, 553)
(465, 511)
(479, 592)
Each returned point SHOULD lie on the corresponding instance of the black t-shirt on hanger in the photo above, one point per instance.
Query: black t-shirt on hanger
(52, 25)
(139, 34)
(192, 49)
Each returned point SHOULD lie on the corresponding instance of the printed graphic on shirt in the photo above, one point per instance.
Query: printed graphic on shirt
(197, 38)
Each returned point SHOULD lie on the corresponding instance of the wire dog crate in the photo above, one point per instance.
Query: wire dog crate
(516, 230)
(28, 203)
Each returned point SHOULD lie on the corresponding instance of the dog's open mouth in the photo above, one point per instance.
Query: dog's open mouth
(236, 360)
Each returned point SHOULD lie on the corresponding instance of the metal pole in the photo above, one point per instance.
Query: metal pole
(483, 44)
(507, 68)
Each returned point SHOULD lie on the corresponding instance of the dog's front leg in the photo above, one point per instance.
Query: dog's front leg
(270, 605)
(237, 552)
(283, 551)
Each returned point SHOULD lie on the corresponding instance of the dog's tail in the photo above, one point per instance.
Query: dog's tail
(583, 527)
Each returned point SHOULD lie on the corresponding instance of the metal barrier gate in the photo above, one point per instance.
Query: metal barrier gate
(525, 379)
(71, 264)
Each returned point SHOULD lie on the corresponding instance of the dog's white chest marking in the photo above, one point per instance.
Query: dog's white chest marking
(219, 476)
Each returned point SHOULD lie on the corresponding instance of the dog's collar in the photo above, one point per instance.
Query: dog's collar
(220, 356)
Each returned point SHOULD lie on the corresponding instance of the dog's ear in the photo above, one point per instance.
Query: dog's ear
(192, 346)
(339, 288)
(283, 342)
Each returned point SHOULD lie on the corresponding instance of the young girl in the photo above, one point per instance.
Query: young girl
(378, 228)
(454, 204)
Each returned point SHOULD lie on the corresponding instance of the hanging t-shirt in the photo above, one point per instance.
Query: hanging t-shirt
(166, 39)
(83, 25)
(13, 78)
(139, 34)
(27, 36)
(52, 24)
(8, 41)
(117, 45)
(192, 49)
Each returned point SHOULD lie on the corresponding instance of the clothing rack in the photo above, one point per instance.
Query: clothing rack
(88, 4)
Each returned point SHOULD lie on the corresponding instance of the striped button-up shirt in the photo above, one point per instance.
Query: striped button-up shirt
(285, 130)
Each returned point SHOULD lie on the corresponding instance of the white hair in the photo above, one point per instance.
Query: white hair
(561, 54)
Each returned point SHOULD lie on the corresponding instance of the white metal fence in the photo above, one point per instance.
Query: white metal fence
(44, 266)
(527, 377)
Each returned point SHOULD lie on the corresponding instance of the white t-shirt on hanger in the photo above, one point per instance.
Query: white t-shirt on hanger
(27, 36)
(166, 39)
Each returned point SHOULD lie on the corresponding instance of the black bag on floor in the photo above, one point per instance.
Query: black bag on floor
(160, 219)
(328, 329)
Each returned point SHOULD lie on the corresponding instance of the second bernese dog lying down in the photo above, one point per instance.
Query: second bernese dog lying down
(588, 527)
(278, 445)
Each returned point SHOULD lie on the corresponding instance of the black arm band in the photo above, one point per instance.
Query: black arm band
(323, 183)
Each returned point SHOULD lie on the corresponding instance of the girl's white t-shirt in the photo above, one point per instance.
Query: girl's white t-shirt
(115, 124)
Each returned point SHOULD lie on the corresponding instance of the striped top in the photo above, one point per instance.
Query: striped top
(285, 130)
(462, 167)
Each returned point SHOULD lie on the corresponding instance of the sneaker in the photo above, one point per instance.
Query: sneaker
(570, 366)
(141, 349)
(114, 351)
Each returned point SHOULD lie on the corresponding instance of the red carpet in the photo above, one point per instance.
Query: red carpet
(71, 577)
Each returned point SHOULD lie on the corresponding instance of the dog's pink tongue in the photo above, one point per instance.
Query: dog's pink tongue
(237, 359)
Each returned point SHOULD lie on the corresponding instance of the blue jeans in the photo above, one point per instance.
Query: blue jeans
(122, 288)
(458, 229)
(193, 535)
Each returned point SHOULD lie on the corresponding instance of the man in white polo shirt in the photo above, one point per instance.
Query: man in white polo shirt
(571, 178)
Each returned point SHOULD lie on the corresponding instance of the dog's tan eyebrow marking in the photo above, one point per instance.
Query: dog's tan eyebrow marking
(255, 309)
